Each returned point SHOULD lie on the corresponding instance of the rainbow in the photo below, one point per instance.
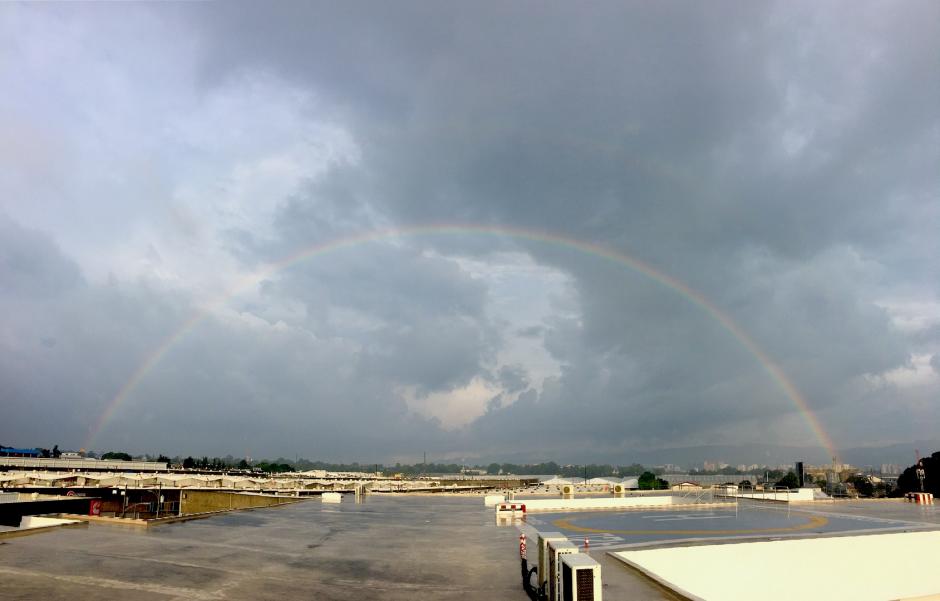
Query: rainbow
(587, 248)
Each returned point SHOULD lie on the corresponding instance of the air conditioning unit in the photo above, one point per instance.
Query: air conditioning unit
(580, 578)
(557, 549)
(544, 539)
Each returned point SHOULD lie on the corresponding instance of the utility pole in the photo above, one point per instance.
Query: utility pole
(919, 470)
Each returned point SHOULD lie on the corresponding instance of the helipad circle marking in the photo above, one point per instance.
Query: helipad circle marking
(816, 521)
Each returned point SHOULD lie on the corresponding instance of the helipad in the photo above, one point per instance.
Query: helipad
(618, 529)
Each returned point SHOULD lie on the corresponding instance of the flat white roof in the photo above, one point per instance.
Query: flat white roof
(873, 567)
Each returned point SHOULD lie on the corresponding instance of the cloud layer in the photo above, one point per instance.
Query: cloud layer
(777, 158)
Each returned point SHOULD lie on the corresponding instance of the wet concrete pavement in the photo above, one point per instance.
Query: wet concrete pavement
(394, 548)
(388, 548)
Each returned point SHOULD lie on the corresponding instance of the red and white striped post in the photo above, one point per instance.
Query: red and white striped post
(587, 543)
(522, 548)
(920, 498)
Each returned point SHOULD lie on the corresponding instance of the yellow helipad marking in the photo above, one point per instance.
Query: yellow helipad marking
(816, 521)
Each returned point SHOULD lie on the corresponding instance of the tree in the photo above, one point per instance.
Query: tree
(648, 481)
(789, 481)
(634, 469)
(909, 482)
(117, 456)
(244, 465)
(189, 463)
(862, 484)
(163, 458)
(882, 489)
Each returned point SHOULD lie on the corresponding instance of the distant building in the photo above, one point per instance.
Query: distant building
(890, 469)
(11, 452)
(706, 480)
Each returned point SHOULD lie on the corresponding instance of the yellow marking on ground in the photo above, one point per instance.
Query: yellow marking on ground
(816, 521)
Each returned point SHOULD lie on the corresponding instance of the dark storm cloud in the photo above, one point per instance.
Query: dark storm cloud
(763, 155)
(779, 158)
(422, 319)
(231, 373)
(31, 266)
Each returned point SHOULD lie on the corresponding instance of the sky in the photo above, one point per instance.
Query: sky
(527, 230)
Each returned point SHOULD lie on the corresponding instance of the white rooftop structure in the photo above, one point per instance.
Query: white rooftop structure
(843, 567)
(604, 480)
(83, 463)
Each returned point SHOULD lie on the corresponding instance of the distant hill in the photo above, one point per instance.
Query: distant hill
(733, 454)
(900, 453)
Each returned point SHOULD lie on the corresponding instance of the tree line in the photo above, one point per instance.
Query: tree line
(648, 477)
(909, 482)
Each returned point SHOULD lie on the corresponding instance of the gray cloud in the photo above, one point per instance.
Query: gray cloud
(32, 267)
(778, 158)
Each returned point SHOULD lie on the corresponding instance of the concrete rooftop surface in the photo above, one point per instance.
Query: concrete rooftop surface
(410, 547)
(389, 548)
